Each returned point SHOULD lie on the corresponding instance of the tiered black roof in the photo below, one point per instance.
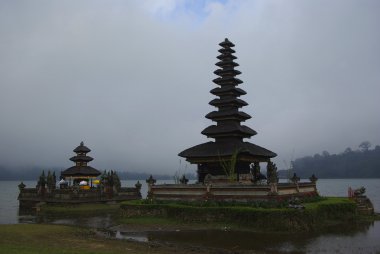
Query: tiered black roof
(82, 148)
(81, 159)
(228, 132)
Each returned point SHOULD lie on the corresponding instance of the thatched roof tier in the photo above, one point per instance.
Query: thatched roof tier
(228, 90)
(226, 51)
(227, 63)
(227, 71)
(228, 114)
(226, 43)
(214, 131)
(81, 171)
(224, 56)
(228, 102)
(217, 150)
(82, 148)
(227, 81)
(84, 158)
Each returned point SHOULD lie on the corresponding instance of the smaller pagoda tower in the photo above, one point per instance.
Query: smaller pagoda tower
(81, 171)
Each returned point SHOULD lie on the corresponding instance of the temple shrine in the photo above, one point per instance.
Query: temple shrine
(81, 171)
(228, 131)
(80, 183)
(228, 168)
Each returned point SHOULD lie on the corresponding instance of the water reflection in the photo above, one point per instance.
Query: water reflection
(357, 239)
(347, 238)
(31, 216)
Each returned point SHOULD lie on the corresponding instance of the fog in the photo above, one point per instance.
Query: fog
(132, 78)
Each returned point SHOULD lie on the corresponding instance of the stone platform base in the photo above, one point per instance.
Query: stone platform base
(231, 192)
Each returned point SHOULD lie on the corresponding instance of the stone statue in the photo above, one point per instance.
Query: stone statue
(183, 179)
(272, 176)
(41, 184)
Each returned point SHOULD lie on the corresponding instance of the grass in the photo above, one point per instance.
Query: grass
(58, 239)
(36, 238)
(328, 201)
(317, 213)
(165, 223)
(80, 209)
(149, 221)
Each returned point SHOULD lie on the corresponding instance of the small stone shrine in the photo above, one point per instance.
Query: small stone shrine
(78, 184)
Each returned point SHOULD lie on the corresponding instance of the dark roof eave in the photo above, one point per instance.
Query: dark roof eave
(81, 170)
(215, 149)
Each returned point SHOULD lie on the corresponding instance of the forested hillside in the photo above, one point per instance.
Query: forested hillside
(361, 163)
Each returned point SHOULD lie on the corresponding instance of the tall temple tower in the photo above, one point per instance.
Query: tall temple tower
(228, 131)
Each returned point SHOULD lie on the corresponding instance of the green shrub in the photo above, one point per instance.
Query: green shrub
(267, 215)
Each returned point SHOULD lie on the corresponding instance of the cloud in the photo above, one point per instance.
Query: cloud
(132, 79)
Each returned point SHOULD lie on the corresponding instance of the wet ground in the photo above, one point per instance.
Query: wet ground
(362, 238)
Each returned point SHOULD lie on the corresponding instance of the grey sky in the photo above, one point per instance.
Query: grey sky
(132, 78)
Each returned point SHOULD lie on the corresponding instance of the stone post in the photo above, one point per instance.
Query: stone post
(150, 181)
(138, 188)
(183, 179)
(21, 186)
(255, 172)
(295, 179)
(313, 179)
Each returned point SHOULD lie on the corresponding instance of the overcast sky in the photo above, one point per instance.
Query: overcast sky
(132, 78)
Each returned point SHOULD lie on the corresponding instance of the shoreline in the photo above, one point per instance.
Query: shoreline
(37, 238)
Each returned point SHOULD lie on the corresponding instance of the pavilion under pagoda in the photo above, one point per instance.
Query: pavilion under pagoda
(81, 171)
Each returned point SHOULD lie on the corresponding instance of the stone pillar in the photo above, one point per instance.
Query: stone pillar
(256, 172)
(138, 188)
(150, 181)
(183, 179)
(295, 179)
(313, 179)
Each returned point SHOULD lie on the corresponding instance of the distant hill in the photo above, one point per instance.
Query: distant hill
(363, 163)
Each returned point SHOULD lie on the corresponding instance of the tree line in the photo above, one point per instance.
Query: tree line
(363, 162)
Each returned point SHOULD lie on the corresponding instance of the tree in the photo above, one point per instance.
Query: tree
(348, 150)
(325, 154)
(364, 146)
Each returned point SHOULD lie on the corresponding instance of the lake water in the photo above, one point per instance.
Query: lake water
(349, 239)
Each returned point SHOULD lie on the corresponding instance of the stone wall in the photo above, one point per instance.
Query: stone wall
(230, 192)
(31, 196)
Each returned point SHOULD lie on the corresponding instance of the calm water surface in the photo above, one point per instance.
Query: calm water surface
(349, 239)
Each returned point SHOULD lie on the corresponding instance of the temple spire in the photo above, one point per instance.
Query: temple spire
(81, 159)
(228, 117)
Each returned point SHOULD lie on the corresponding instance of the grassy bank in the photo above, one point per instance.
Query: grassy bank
(316, 215)
(58, 239)
(80, 209)
(36, 238)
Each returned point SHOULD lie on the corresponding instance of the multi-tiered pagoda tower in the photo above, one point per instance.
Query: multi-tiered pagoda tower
(81, 171)
(228, 131)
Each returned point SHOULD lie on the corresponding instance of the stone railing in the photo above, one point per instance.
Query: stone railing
(231, 192)
(77, 195)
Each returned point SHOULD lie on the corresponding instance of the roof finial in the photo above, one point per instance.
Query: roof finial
(81, 143)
